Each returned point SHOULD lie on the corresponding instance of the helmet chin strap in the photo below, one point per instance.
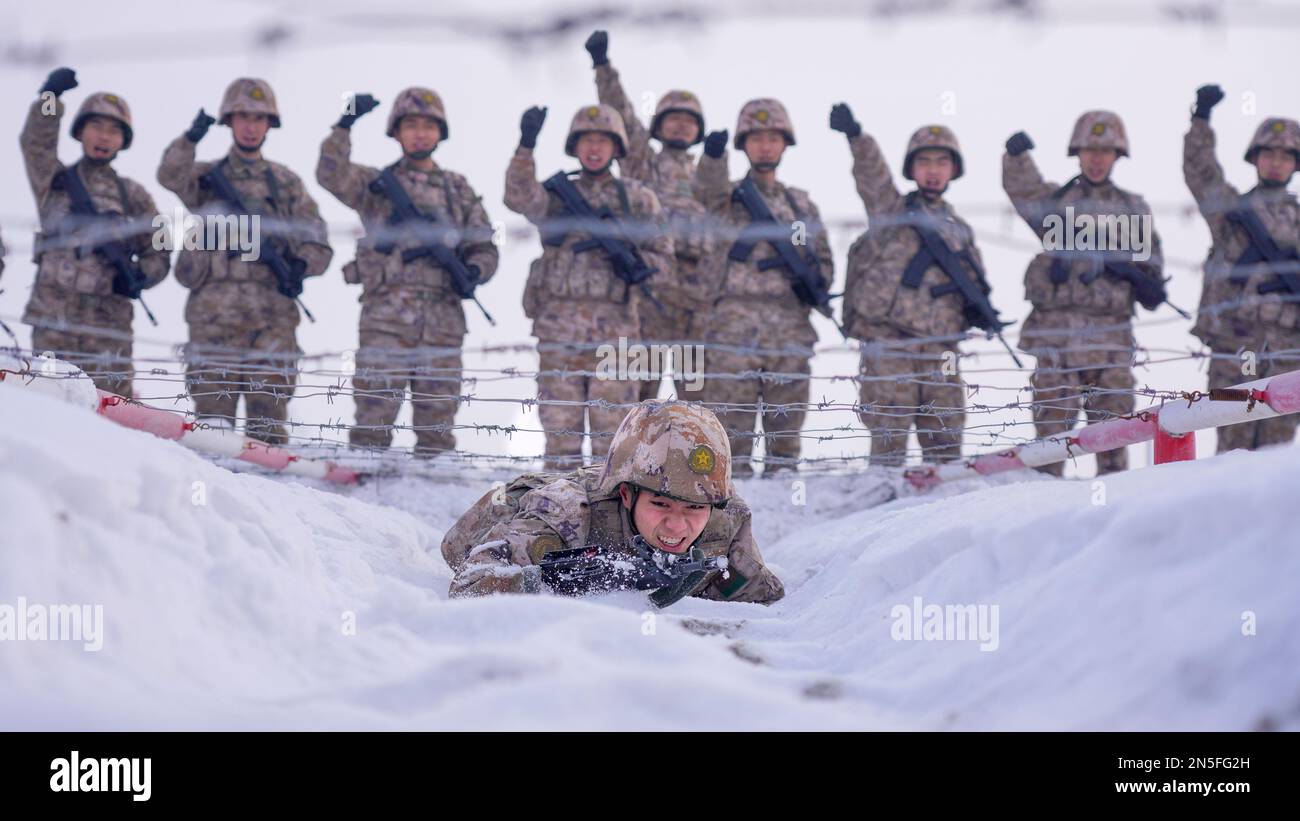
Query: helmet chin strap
(598, 173)
(677, 145)
(765, 166)
(931, 194)
(250, 149)
(419, 155)
(97, 162)
(1273, 184)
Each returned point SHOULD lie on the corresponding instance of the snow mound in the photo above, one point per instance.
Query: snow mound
(236, 600)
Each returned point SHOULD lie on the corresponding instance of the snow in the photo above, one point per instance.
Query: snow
(233, 613)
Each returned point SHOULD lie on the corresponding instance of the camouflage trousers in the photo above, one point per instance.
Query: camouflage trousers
(106, 358)
(780, 428)
(387, 366)
(260, 364)
(673, 325)
(914, 393)
(564, 423)
(1252, 435)
(1102, 393)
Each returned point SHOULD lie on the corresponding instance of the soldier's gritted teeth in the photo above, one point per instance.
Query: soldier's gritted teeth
(249, 131)
(764, 149)
(419, 136)
(666, 523)
(1096, 163)
(595, 151)
(101, 139)
(1275, 166)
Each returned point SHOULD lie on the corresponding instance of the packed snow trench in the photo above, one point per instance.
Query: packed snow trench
(1162, 598)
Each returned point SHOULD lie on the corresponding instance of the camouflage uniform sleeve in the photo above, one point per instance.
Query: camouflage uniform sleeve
(548, 519)
(154, 262)
(657, 246)
(1156, 263)
(179, 173)
(609, 89)
(1203, 173)
(748, 579)
(872, 177)
(336, 172)
(311, 239)
(524, 194)
(712, 185)
(1029, 192)
(40, 145)
(479, 250)
(817, 236)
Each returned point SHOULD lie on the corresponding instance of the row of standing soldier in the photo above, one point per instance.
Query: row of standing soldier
(726, 268)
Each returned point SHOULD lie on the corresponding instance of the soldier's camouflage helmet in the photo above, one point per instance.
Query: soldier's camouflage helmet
(417, 100)
(683, 101)
(600, 118)
(1099, 129)
(760, 114)
(248, 95)
(933, 136)
(1275, 132)
(671, 448)
(105, 105)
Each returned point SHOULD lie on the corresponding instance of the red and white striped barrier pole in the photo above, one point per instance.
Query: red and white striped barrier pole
(1172, 424)
(166, 424)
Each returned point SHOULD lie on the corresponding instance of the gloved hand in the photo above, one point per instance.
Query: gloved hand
(843, 122)
(715, 144)
(297, 272)
(59, 81)
(1207, 97)
(1019, 143)
(362, 104)
(530, 125)
(597, 46)
(202, 121)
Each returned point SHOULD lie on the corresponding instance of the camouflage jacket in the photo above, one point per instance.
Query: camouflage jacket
(1035, 200)
(226, 289)
(672, 174)
(767, 291)
(1233, 313)
(65, 265)
(562, 279)
(877, 305)
(514, 527)
(440, 192)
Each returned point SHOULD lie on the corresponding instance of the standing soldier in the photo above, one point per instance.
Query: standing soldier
(678, 124)
(898, 294)
(1081, 326)
(757, 306)
(579, 293)
(242, 313)
(412, 324)
(94, 253)
(1251, 296)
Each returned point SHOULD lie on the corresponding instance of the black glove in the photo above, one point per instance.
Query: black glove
(129, 285)
(715, 144)
(1207, 97)
(202, 121)
(597, 46)
(292, 287)
(59, 81)
(842, 121)
(530, 125)
(1019, 143)
(1150, 292)
(362, 104)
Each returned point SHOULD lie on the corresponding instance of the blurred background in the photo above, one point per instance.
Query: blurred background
(985, 68)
